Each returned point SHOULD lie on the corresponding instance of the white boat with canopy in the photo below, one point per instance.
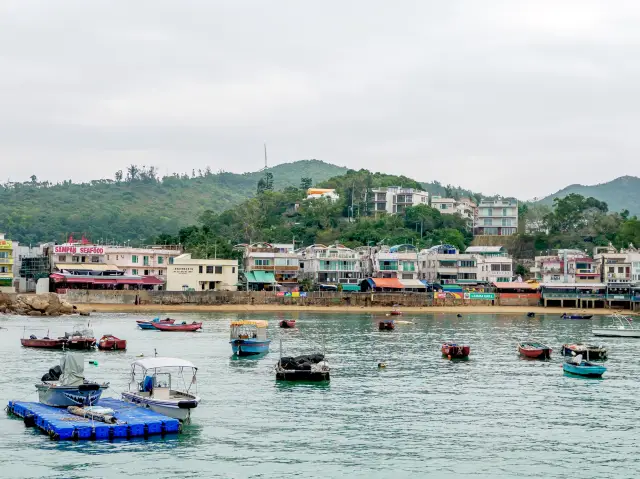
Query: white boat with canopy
(164, 385)
(621, 327)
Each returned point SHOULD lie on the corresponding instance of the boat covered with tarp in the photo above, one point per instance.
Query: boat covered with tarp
(310, 367)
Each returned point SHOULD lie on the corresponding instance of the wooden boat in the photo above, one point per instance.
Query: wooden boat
(395, 311)
(387, 325)
(455, 351)
(161, 386)
(109, 342)
(81, 340)
(589, 351)
(621, 327)
(576, 316)
(585, 368)
(46, 343)
(535, 350)
(287, 323)
(249, 338)
(149, 324)
(311, 367)
(178, 327)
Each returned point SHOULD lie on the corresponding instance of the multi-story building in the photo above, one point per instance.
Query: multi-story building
(31, 263)
(6, 265)
(496, 217)
(188, 274)
(444, 264)
(494, 264)
(395, 199)
(146, 261)
(268, 264)
(401, 262)
(331, 265)
(449, 206)
(567, 266)
(615, 266)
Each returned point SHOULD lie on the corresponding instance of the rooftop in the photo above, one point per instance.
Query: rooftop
(485, 249)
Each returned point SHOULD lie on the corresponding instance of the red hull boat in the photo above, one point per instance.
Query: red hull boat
(287, 324)
(79, 342)
(43, 343)
(534, 350)
(109, 342)
(453, 350)
(178, 327)
(395, 313)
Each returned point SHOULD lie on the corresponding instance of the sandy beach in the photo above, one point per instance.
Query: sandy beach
(195, 308)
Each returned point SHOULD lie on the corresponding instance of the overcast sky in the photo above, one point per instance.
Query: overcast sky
(511, 97)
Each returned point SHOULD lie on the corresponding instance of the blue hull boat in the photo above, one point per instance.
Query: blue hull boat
(146, 326)
(249, 347)
(576, 316)
(585, 369)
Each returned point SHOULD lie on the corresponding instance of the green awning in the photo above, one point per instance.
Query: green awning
(250, 277)
(350, 287)
(265, 277)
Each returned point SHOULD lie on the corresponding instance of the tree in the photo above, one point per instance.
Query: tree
(521, 270)
(118, 176)
(34, 179)
(133, 173)
(268, 181)
(262, 186)
(306, 183)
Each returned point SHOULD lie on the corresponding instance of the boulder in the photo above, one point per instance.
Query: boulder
(48, 304)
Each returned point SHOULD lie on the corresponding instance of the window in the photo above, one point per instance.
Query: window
(3, 269)
(145, 260)
(487, 222)
(171, 260)
(134, 271)
(467, 264)
(209, 269)
(495, 267)
(62, 258)
(107, 257)
(146, 272)
(505, 211)
(218, 269)
(506, 222)
(489, 212)
(160, 260)
(134, 258)
(261, 262)
(505, 267)
(233, 269)
(200, 269)
(611, 269)
(160, 272)
(381, 207)
(95, 259)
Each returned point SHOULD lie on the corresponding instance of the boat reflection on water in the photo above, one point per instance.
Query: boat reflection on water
(285, 385)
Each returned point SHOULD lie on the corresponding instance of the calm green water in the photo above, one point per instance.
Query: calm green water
(495, 415)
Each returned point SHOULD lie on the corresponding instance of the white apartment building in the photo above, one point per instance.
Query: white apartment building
(147, 261)
(401, 262)
(615, 266)
(395, 199)
(187, 274)
(449, 206)
(444, 264)
(567, 266)
(496, 217)
(332, 265)
(494, 264)
(267, 263)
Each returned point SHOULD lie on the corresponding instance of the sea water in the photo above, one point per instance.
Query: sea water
(495, 415)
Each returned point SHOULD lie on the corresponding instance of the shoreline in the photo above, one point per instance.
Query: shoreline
(241, 308)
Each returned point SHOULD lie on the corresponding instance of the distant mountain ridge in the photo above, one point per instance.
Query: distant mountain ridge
(620, 194)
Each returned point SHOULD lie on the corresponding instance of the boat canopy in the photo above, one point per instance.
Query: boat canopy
(72, 365)
(256, 323)
(154, 363)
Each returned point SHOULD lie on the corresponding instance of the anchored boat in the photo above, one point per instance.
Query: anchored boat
(590, 351)
(534, 350)
(287, 323)
(387, 325)
(184, 326)
(455, 351)
(311, 367)
(576, 316)
(149, 324)
(109, 342)
(65, 385)
(583, 368)
(621, 326)
(46, 343)
(161, 386)
(249, 338)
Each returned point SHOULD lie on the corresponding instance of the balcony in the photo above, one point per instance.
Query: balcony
(286, 268)
(261, 267)
(6, 260)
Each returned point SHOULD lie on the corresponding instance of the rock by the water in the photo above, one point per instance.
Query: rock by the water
(48, 304)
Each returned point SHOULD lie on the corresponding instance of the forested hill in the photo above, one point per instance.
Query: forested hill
(620, 194)
(136, 204)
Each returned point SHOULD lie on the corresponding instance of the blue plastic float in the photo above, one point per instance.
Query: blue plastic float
(61, 425)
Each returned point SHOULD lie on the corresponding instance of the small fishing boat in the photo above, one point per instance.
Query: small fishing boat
(395, 311)
(109, 342)
(80, 339)
(249, 338)
(387, 325)
(161, 386)
(45, 343)
(149, 324)
(535, 350)
(287, 323)
(455, 351)
(184, 326)
(583, 368)
(531, 314)
(65, 385)
(621, 326)
(311, 367)
(590, 351)
(576, 316)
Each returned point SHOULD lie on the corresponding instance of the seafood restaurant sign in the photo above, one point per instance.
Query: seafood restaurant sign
(77, 249)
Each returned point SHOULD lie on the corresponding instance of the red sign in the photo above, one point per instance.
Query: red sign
(78, 249)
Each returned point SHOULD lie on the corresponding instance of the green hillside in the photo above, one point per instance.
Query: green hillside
(137, 204)
(620, 194)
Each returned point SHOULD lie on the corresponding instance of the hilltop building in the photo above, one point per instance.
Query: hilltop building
(314, 193)
(496, 217)
(449, 206)
(395, 199)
